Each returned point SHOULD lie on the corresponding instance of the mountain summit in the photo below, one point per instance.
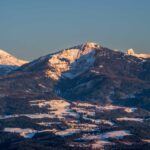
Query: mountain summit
(9, 62)
(8, 59)
(75, 60)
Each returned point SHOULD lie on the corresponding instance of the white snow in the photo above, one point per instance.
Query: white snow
(41, 85)
(76, 68)
(114, 107)
(32, 116)
(130, 119)
(142, 55)
(94, 71)
(101, 66)
(68, 113)
(8, 116)
(8, 59)
(26, 133)
(146, 140)
(48, 124)
(111, 107)
(67, 132)
(69, 63)
(59, 108)
(105, 107)
(83, 126)
(38, 116)
(112, 134)
(131, 52)
(99, 121)
(81, 104)
(99, 144)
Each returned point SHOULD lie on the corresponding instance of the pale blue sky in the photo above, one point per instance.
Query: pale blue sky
(31, 28)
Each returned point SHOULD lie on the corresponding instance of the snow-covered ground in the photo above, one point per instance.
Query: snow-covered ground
(99, 144)
(130, 119)
(26, 133)
(99, 121)
(48, 124)
(104, 108)
(77, 117)
(67, 132)
(112, 134)
(32, 116)
(102, 139)
(8, 59)
(59, 108)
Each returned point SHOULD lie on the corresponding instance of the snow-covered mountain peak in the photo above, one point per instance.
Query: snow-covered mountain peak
(86, 48)
(9, 62)
(70, 55)
(141, 55)
(71, 61)
(3, 53)
(8, 59)
(68, 62)
(89, 46)
(130, 51)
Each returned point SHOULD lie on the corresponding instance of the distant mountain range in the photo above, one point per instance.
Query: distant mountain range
(84, 97)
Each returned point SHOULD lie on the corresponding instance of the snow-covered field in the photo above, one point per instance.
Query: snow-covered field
(78, 119)
(59, 108)
(105, 107)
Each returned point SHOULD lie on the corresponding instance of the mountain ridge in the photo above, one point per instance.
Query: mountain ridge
(8, 59)
(74, 71)
(9, 62)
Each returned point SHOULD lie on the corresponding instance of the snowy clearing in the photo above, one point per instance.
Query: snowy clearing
(26, 133)
(130, 119)
(113, 134)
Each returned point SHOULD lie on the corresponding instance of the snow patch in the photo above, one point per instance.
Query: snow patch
(112, 134)
(130, 119)
(99, 144)
(68, 132)
(59, 108)
(8, 59)
(26, 133)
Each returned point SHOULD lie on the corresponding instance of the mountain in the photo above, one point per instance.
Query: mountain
(84, 97)
(87, 72)
(9, 62)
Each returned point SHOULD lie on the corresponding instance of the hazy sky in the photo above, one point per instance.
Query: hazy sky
(31, 28)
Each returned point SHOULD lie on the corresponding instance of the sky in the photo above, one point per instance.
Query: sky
(32, 28)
